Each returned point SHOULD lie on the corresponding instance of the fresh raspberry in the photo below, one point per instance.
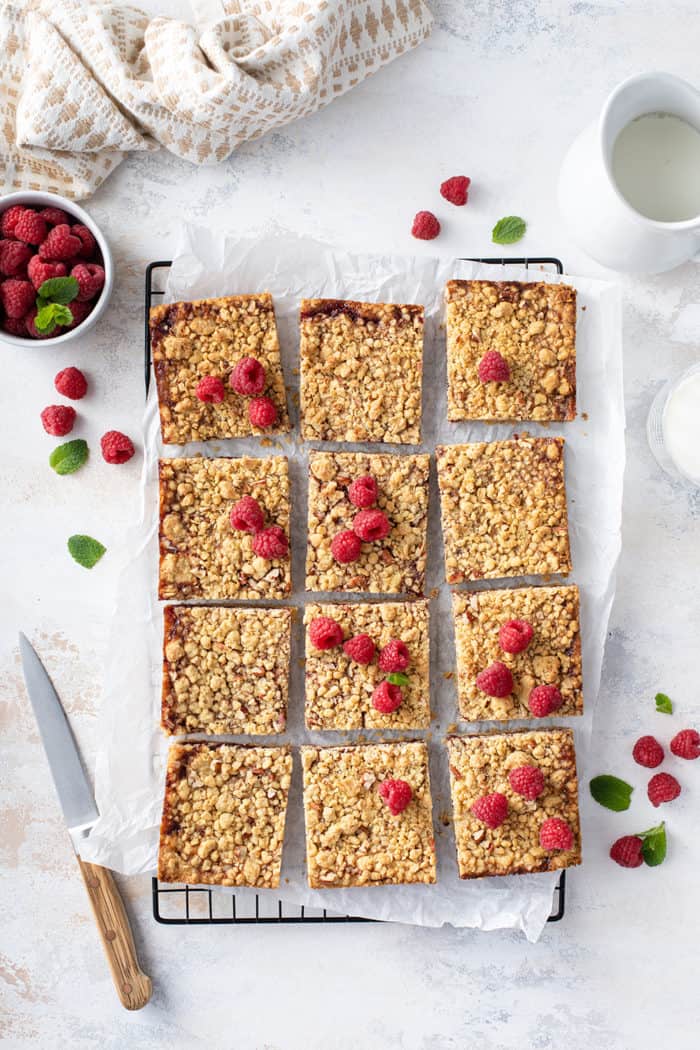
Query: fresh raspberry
(527, 781)
(262, 412)
(271, 543)
(60, 243)
(346, 547)
(648, 752)
(14, 256)
(544, 700)
(248, 377)
(491, 809)
(455, 190)
(397, 794)
(496, 680)
(71, 383)
(211, 390)
(90, 278)
(386, 698)
(116, 447)
(58, 420)
(493, 368)
(86, 239)
(54, 216)
(515, 636)
(627, 851)
(39, 271)
(363, 492)
(31, 328)
(30, 227)
(325, 633)
(9, 219)
(79, 312)
(17, 296)
(425, 226)
(15, 326)
(686, 744)
(247, 515)
(361, 649)
(662, 788)
(556, 834)
(371, 525)
(394, 657)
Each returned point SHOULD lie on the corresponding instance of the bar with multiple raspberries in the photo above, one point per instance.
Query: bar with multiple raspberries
(361, 371)
(223, 814)
(368, 815)
(511, 350)
(514, 802)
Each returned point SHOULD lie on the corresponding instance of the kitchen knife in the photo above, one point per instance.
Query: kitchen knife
(80, 812)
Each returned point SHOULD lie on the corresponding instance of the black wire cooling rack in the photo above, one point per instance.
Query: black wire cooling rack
(175, 905)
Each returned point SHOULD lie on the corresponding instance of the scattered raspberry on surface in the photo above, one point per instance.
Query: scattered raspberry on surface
(58, 420)
(14, 256)
(30, 227)
(397, 794)
(262, 412)
(493, 368)
(39, 271)
(18, 296)
(116, 447)
(71, 383)
(627, 851)
(9, 219)
(491, 809)
(54, 216)
(363, 492)
(394, 657)
(60, 243)
(515, 636)
(556, 834)
(248, 377)
(211, 390)
(387, 698)
(346, 547)
(425, 226)
(371, 525)
(15, 326)
(455, 190)
(544, 700)
(325, 633)
(686, 744)
(271, 543)
(90, 278)
(527, 781)
(662, 788)
(496, 680)
(247, 515)
(31, 328)
(79, 312)
(361, 649)
(86, 239)
(648, 752)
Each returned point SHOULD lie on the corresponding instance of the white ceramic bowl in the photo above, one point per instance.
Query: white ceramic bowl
(37, 199)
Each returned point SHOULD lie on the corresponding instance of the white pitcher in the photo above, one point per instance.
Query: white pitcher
(598, 216)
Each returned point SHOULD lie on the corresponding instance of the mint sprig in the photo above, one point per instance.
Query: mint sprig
(654, 844)
(397, 678)
(69, 457)
(61, 290)
(508, 230)
(52, 303)
(664, 704)
(611, 792)
(85, 550)
(49, 315)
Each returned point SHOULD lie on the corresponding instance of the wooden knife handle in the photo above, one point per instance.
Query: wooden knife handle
(133, 986)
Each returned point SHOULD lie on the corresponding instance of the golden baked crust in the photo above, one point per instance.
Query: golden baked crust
(225, 670)
(223, 814)
(339, 690)
(395, 565)
(479, 765)
(208, 337)
(503, 508)
(352, 838)
(201, 556)
(361, 371)
(553, 657)
(533, 326)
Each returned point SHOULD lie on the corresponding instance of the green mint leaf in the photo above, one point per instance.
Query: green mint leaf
(45, 321)
(396, 678)
(85, 550)
(611, 792)
(654, 845)
(663, 704)
(67, 458)
(62, 314)
(61, 290)
(508, 230)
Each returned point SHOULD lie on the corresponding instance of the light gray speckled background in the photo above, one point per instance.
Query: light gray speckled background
(497, 93)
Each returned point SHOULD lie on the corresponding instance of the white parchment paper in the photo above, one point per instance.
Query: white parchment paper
(130, 768)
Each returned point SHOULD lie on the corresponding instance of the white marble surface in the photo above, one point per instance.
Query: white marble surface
(497, 93)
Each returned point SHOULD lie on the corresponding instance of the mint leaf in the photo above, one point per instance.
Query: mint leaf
(611, 792)
(396, 678)
(44, 320)
(67, 458)
(61, 290)
(85, 550)
(663, 704)
(654, 845)
(508, 230)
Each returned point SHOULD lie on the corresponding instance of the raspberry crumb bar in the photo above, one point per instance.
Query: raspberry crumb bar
(339, 688)
(552, 657)
(353, 836)
(191, 341)
(225, 670)
(361, 371)
(201, 554)
(532, 326)
(503, 508)
(223, 814)
(481, 766)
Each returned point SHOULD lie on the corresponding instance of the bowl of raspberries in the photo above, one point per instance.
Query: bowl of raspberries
(56, 270)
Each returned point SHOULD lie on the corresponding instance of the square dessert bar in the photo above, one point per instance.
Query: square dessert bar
(352, 837)
(553, 656)
(503, 508)
(208, 337)
(533, 327)
(393, 565)
(223, 814)
(361, 371)
(479, 765)
(201, 555)
(225, 670)
(339, 689)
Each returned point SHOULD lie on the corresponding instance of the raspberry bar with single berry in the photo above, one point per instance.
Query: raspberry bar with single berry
(353, 836)
(361, 371)
(532, 326)
(191, 341)
(503, 508)
(551, 657)
(201, 554)
(543, 791)
(340, 687)
(223, 814)
(225, 670)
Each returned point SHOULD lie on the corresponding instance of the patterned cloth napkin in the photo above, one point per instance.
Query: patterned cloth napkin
(83, 83)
